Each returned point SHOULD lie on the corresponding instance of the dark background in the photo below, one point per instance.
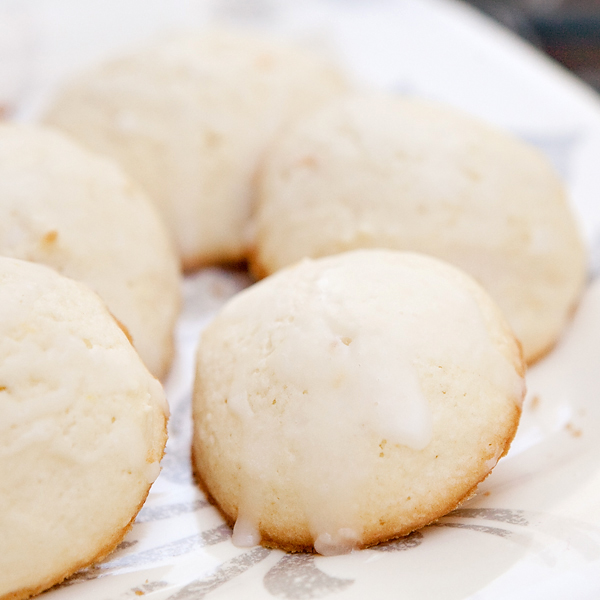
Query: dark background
(568, 30)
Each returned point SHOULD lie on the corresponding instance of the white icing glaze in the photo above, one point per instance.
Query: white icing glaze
(81, 426)
(341, 542)
(346, 373)
(245, 533)
(152, 471)
(64, 410)
(492, 462)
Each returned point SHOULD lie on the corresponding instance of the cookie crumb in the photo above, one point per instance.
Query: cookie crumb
(50, 237)
(574, 431)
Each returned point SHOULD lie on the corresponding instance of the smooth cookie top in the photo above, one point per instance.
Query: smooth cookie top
(381, 171)
(188, 117)
(67, 208)
(349, 400)
(82, 429)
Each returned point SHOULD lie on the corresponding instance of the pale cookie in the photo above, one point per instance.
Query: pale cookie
(377, 171)
(78, 213)
(82, 429)
(352, 399)
(188, 117)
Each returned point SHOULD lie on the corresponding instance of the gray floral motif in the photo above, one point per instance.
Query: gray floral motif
(295, 577)
(199, 588)
(504, 533)
(406, 543)
(502, 515)
(580, 536)
(158, 513)
(176, 465)
(177, 548)
(166, 551)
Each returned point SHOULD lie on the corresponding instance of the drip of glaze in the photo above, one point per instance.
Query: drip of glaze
(245, 533)
(341, 378)
(152, 471)
(343, 541)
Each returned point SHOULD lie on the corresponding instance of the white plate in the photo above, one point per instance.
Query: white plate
(533, 530)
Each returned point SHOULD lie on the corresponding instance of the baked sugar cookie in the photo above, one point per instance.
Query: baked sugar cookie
(381, 171)
(188, 117)
(82, 429)
(69, 209)
(352, 399)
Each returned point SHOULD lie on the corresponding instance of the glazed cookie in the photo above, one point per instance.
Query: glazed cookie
(188, 117)
(352, 399)
(378, 171)
(78, 213)
(82, 429)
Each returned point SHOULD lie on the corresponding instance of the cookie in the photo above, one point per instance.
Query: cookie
(69, 209)
(381, 171)
(352, 399)
(82, 429)
(188, 117)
